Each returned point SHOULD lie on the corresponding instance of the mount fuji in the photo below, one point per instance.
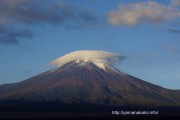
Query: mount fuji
(92, 81)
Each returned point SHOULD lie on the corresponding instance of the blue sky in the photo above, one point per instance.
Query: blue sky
(33, 33)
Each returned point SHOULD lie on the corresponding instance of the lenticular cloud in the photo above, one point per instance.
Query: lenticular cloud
(94, 56)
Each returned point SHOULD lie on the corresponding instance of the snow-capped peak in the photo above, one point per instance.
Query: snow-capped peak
(97, 57)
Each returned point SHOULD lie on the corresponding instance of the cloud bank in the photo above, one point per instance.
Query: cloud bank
(145, 12)
(18, 16)
(94, 56)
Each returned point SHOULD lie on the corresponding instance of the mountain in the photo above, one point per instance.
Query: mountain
(78, 82)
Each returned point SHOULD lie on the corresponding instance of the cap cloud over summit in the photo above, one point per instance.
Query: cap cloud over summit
(94, 56)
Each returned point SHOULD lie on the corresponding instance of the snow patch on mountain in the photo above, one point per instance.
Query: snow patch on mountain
(100, 65)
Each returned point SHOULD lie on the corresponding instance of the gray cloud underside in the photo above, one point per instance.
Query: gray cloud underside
(17, 15)
(8, 36)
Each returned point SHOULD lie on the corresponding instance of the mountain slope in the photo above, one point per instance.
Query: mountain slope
(86, 82)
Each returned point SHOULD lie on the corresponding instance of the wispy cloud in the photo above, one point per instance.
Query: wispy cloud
(17, 15)
(172, 48)
(175, 2)
(173, 30)
(145, 12)
(28, 72)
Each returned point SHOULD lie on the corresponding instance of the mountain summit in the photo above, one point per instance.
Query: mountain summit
(86, 82)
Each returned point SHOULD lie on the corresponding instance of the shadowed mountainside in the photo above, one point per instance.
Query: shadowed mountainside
(84, 82)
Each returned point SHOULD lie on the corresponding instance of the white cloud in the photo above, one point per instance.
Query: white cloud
(147, 12)
(94, 56)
